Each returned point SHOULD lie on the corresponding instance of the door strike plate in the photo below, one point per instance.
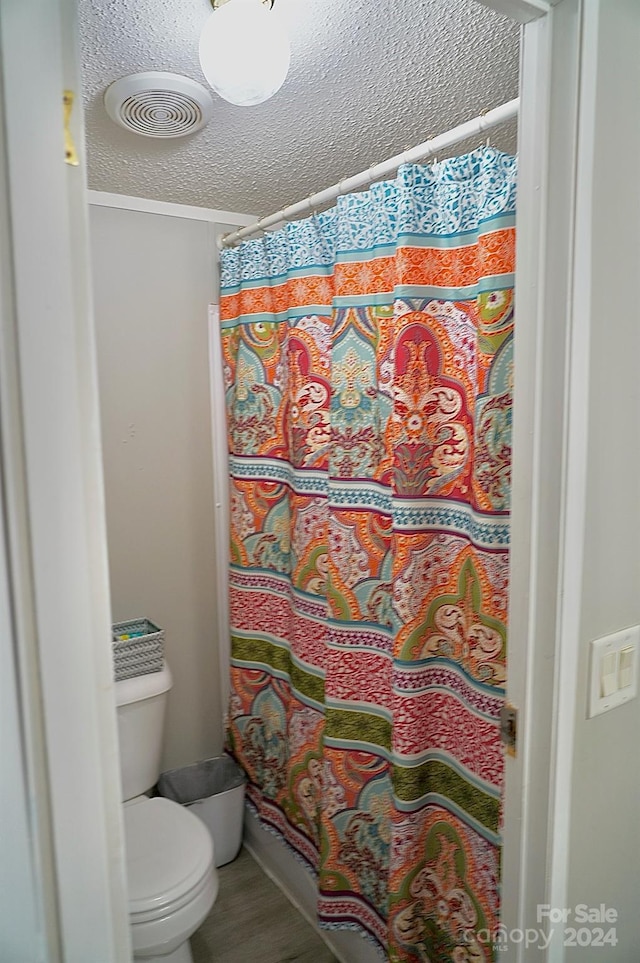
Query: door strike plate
(70, 152)
(509, 728)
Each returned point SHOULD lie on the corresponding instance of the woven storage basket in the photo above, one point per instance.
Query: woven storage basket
(140, 655)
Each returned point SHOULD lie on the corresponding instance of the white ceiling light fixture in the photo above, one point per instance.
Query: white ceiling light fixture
(244, 53)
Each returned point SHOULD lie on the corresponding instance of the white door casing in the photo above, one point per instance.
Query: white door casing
(66, 675)
(545, 541)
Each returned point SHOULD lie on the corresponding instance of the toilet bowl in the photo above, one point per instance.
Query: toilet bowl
(171, 882)
(171, 877)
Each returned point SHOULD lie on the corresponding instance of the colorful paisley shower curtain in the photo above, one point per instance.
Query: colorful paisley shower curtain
(368, 366)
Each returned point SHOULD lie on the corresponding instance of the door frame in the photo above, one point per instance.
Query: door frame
(54, 500)
(549, 456)
(65, 684)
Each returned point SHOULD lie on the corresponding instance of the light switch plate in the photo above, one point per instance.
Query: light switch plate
(605, 689)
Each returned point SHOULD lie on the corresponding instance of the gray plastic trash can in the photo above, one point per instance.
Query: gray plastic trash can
(214, 791)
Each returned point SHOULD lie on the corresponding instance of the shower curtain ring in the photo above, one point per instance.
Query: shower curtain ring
(482, 114)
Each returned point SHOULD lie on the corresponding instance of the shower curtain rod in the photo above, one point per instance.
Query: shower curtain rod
(479, 125)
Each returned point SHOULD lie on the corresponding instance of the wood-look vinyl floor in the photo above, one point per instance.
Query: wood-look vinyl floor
(252, 921)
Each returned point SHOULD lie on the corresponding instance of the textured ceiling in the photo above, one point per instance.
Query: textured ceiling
(366, 81)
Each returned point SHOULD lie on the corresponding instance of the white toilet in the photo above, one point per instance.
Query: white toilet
(171, 876)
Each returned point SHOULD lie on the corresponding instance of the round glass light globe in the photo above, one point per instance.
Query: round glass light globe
(244, 53)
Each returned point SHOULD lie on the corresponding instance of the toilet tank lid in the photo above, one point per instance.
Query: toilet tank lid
(143, 686)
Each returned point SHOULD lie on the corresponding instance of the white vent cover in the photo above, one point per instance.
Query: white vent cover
(158, 104)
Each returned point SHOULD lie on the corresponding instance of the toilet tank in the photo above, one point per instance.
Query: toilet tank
(140, 705)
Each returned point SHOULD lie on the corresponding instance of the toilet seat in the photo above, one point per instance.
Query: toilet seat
(169, 858)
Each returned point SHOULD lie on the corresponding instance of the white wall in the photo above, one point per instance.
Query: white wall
(604, 838)
(153, 280)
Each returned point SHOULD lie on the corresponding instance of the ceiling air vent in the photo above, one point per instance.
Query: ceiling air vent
(158, 104)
